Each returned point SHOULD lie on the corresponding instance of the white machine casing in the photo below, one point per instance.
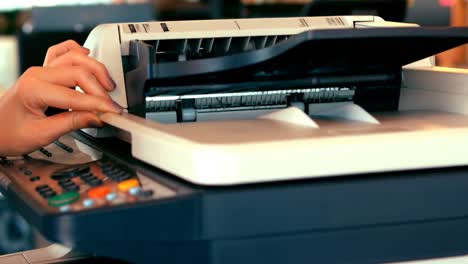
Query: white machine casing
(429, 130)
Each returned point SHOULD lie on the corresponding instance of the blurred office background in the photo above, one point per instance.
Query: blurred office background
(28, 27)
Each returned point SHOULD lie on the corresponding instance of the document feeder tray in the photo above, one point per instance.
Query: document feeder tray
(323, 102)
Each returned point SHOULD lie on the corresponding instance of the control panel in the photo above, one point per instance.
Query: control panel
(69, 176)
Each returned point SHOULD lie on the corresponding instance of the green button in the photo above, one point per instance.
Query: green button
(63, 199)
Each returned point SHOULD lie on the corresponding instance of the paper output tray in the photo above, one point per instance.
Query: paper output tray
(323, 52)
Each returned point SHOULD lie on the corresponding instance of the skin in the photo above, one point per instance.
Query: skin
(23, 125)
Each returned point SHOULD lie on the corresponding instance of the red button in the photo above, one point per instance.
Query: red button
(99, 192)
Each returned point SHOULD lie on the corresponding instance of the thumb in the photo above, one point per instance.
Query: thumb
(53, 127)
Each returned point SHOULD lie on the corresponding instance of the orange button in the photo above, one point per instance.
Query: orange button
(99, 192)
(128, 184)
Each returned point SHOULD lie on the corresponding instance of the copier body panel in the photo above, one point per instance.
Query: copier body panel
(328, 139)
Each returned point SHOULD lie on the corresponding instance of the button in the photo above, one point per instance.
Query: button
(42, 187)
(99, 192)
(49, 194)
(63, 146)
(42, 191)
(111, 196)
(95, 182)
(45, 152)
(134, 191)
(90, 178)
(65, 184)
(71, 173)
(46, 192)
(123, 178)
(120, 174)
(83, 170)
(106, 166)
(64, 199)
(72, 188)
(88, 203)
(114, 173)
(64, 180)
(86, 174)
(34, 178)
(5, 162)
(111, 171)
(87, 177)
(69, 149)
(59, 176)
(64, 208)
(128, 184)
(146, 193)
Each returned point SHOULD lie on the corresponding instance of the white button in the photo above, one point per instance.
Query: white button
(64, 208)
(111, 196)
(135, 190)
(88, 203)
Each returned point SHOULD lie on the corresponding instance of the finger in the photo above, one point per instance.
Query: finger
(55, 126)
(70, 77)
(58, 50)
(76, 58)
(64, 98)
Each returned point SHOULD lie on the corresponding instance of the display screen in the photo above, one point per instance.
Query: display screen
(24, 4)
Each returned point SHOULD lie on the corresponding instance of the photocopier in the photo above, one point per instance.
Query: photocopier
(276, 140)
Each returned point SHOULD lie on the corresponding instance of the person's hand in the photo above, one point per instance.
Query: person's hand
(23, 125)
